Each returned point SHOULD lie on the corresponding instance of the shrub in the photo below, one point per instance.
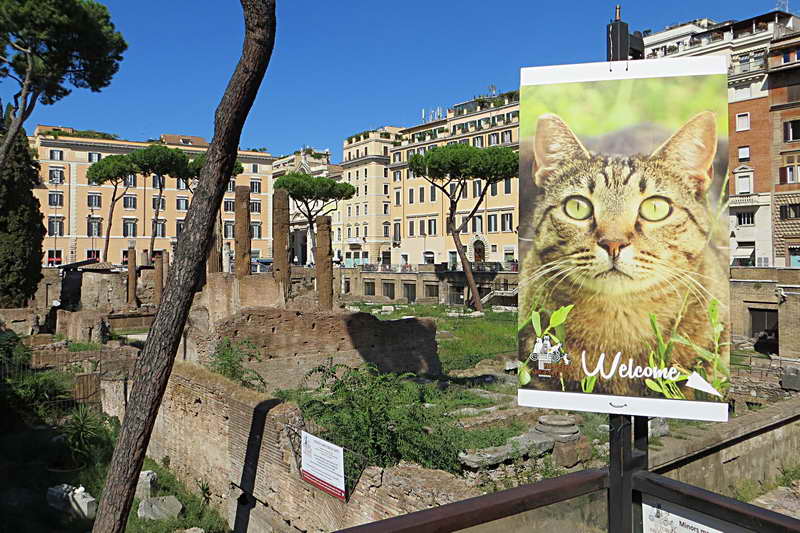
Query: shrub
(229, 359)
(87, 434)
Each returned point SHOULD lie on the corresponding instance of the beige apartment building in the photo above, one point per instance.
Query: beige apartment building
(418, 211)
(361, 225)
(76, 213)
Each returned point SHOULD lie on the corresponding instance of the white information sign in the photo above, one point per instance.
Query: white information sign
(323, 465)
(659, 516)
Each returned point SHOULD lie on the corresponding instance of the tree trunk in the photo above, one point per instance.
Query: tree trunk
(473, 288)
(22, 111)
(153, 367)
(151, 252)
(114, 201)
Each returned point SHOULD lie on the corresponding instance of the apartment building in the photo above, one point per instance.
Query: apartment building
(76, 212)
(361, 225)
(784, 110)
(418, 210)
(315, 163)
(753, 165)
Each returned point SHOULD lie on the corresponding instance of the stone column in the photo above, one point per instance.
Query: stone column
(165, 255)
(132, 276)
(214, 258)
(280, 239)
(242, 232)
(324, 263)
(158, 278)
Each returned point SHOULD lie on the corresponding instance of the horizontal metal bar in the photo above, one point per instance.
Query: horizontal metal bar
(712, 504)
(482, 509)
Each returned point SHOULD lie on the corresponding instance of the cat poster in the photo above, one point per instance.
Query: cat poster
(623, 292)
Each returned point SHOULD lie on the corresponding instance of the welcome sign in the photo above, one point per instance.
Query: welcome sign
(623, 238)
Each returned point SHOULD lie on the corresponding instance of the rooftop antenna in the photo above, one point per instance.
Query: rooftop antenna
(423, 114)
(493, 90)
(782, 5)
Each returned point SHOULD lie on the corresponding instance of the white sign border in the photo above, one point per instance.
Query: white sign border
(624, 405)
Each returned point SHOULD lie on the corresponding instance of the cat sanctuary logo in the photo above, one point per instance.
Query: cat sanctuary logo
(624, 252)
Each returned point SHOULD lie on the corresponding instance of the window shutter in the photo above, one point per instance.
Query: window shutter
(786, 131)
(783, 212)
(782, 175)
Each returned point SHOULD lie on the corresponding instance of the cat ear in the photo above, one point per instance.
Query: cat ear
(554, 145)
(692, 148)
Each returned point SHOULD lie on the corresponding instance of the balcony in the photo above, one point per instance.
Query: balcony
(385, 267)
(355, 240)
(744, 68)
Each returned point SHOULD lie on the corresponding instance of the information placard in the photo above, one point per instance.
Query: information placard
(624, 239)
(322, 464)
(659, 516)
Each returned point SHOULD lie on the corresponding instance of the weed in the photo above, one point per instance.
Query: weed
(229, 360)
(83, 346)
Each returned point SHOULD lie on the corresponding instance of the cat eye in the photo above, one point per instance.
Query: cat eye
(578, 207)
(655, 208)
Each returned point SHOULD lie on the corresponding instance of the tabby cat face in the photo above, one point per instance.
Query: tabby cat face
(622, 225)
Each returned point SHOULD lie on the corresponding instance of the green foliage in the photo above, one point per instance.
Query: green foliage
(84, 346)
(556, 329)
(659, 357)
(451, 162)
(161, 160)
(86, 434)
(21, 228)
(314, 196)
(86, 134)
(70, 41)
(42, 392)
(229, 360)
(111, 169)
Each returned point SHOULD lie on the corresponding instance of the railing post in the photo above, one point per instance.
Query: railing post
(620, 493)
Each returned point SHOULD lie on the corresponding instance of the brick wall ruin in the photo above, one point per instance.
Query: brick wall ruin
(237, 441)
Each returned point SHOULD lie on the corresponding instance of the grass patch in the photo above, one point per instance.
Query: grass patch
(118, 333)
(84, 346)
(476, 439)
(474, 339)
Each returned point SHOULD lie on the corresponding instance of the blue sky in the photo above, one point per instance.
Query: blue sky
(340, 67)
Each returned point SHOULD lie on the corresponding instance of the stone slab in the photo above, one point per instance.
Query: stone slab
(531, 443)
(159, 508)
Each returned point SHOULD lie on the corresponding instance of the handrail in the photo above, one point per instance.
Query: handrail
(712, 504)
(482, 509)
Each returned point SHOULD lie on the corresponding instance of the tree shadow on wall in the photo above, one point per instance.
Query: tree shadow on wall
(406, 345)
(246, 501)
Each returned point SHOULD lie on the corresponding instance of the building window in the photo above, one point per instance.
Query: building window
(410, 228)
(182, 184)
(129, 227)
(431, 290)
(255, 230)
(255, 186)
(349, 232)
(369, 288)
(421, 194)
(742, 121)
(53, 257)
(507, 186)
(129, 202)
(432, 227)
(477, 224)
(349, 211)
(338, 234)
(494, 138)
(385, 209)
(744, 154)
(255, 168)
(386, 229)
(476, 188)
(346, 288)
(492, 219)
(94, 200)
(94, 228)
(179, 224)
(228, 205)
(433, 193)
(396, 232)
(158, 181)
(410, 196)
(227, 229)
(791, 131)
(366, 234)
(56, 176)
(743, 185)
(182, 203)
(789, 211)
(745, 218)
(93, 254)
(477, 141)
(397, 157)
(57, 155)
(398, 175)
(255, 206)
(506, 137)
(94, 157)
(159, 203)
(365, 185)
(787, 56)
(159, 228)
(385, 170)
(421, 228)
(130, 180)
(493, 188)
(386, 189)
(388, 290)
(55, 226)
(231, 186)
(358, 209)
(506, 222)
(55, 199)
(358, 231)
(787, 175)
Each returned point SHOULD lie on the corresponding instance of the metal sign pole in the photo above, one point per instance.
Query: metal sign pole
(628, 453)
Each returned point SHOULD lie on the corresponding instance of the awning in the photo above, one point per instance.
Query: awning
(745, 252)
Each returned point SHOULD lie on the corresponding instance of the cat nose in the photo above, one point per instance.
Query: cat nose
(612, 247)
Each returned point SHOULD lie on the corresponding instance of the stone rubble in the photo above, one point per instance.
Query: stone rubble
(159, 508)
